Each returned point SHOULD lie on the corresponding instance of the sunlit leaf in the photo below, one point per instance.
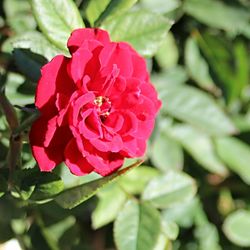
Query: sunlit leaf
(198, 67)
(111, 201)
(200, 146)
(166, 153)
(236, 154)
(237, 228)
(57, 19)
(197, 108)
(144, 30)
(167, 56)
(137, 227)
(170, 189)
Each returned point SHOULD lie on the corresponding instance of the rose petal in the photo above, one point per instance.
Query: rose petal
(77, 164)
(114, 122)
(114, 53)
(50, 156)
(90, 126)
(53, 78)
(78, 104)
(134, 147)
(78, 63)
(115, 145)
(105, 163)
(78, 36)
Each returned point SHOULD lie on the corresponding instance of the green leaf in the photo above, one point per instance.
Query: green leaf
(170, 229)
(162, 243)
(74, 196)
(166, 153)
(19, 17)
(236, 154)
(237, 228)
(35, 41)
(198, 67)
(57, 230)
(161, 6)
(228, 61)
(144, 30)
(94, 9)
(98, 10)
(241, 71)
(229, 18)
(200, 147)
(33, 63)
(111, 201)
(137, 227)
(15, 86)
(57, 19)
(167, 56)
(197, 108)
(135, 181)
(170, 77)
(182, 215)
(47, 185)
(167, 190)
(208, 237)
(34, 185)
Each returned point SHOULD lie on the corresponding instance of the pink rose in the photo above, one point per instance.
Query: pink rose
(97, 107)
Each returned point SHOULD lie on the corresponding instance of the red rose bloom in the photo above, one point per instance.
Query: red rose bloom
(97, 107)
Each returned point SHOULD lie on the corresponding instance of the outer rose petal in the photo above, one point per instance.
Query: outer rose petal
(116, 53)
(52, 81)
(105, 163)
(78, 36)
(50, 156)
(78, 63)
(75, 160)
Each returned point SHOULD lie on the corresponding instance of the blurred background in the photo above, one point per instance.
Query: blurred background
(196, 175)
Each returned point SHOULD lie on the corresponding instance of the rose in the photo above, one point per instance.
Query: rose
(97, 107)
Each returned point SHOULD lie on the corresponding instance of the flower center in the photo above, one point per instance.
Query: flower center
(103, 106)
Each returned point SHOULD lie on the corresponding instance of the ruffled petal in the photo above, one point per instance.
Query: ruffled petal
(116, 53)
(78, 36)
(78, 63)
(105, 163)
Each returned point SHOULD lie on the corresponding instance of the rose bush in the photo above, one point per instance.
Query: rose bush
(97, 107)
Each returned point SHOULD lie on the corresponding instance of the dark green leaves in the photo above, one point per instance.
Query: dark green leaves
(57, 19)
(36, 186)
(143, 29)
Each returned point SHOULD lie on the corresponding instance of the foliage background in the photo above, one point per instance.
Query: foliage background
(192, 192)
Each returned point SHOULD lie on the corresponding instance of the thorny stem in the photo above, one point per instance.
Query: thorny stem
(15, 145)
